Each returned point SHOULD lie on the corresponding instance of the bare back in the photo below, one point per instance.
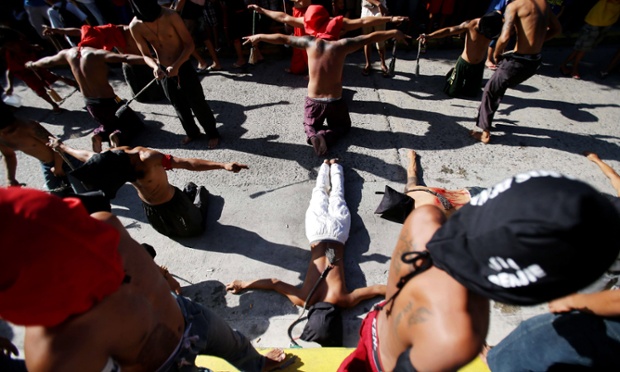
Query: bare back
(325, 66)
(138, 326)
(433, 311)
(476, 44)
(90, 70)
(332, 289)
(152, 185)
(530, 19)
(29, 137)
(166, 35)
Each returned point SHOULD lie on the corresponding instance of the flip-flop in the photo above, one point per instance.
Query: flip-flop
(491, 67)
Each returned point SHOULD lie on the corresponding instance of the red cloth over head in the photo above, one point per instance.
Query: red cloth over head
(55, 260)
(318, 23)
(102, 37)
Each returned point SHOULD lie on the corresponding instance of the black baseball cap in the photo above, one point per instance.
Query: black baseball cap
(532, 238)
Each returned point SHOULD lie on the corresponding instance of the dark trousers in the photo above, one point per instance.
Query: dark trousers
(511, 72)
(336, 113)
(185, 93)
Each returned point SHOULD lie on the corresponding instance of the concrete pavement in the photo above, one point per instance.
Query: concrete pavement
(256, 218)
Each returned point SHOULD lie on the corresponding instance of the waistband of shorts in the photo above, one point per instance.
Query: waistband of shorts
(529, 57)
(324, 100)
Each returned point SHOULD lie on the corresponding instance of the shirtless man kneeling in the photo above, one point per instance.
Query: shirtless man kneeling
(326, 57)
(90, 69)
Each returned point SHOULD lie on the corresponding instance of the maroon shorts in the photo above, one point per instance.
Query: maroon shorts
(365, 358)
(317, 112)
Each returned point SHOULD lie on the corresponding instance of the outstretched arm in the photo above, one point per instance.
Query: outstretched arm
(605, 303)
(301, 42)
(356, 23)
(58, 59)
(354, 43)
(48, 31)
(199, 165)
(111, 57)
(360, 294)
(445, 32)
(81, 155)
(285, 289)
(279, 16)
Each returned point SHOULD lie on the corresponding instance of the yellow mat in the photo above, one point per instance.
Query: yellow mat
(320, 359)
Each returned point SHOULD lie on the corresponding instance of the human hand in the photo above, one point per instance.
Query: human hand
(256, 8)
(54, 143)
(422, 38)
(253, 39)
(235, 167)
(398, 19)
(562, 305)
(159, 73)
(236, 286)
(47, 31)
(29, 65)
(7, 348)
(172, 71)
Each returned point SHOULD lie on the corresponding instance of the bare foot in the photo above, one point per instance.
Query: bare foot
(96, 141)
(319, 144)
(202, 65)
(186, 140)
(236, 286)
(273, 359)
(214, 67)
(484, 136)
(213, 143)
(333, 161)
(491, 66)
(591, 156)
(483, 353)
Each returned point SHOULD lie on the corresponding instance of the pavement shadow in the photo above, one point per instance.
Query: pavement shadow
(574, 111)
(564, 141)
(232, 239)
(251, 317)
